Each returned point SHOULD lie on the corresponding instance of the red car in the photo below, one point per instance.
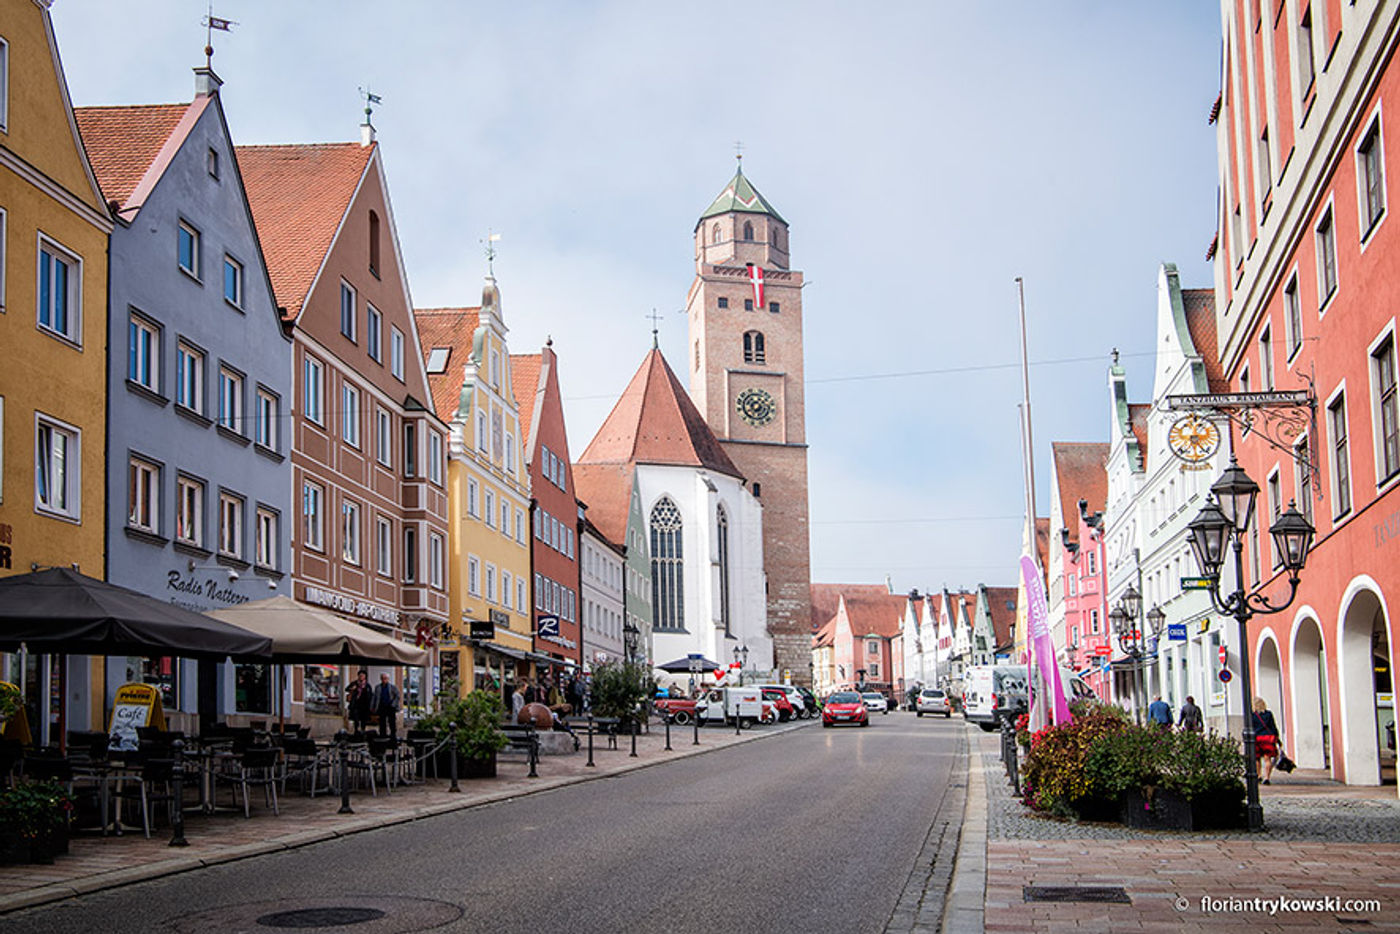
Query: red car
(779, 700)
(845, 707)
(681, 709)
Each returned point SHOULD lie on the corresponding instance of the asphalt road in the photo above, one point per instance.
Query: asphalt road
(814, 830)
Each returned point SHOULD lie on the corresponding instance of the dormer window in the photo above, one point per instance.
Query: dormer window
(437, 359)
(213, 163)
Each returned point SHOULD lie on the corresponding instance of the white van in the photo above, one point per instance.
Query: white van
(992, 693)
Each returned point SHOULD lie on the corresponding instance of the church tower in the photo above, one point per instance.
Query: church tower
(746, 377)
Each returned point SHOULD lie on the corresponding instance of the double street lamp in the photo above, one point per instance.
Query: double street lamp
(1132, 639)
(1224, 521)
(741, 657)
(630, 635)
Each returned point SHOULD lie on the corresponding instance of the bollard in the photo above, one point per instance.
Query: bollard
(738, 723)
(534, 756)
(454, 788)
(590, 741)
(177, 777)
(696, 720)
(668, 732)
(342, 739)
(633, 754)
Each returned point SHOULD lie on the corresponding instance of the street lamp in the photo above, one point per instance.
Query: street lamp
(741, 656)
(1228, 523)
(629, 640)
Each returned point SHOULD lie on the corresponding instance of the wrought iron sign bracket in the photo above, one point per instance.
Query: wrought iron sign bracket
(1276, 418)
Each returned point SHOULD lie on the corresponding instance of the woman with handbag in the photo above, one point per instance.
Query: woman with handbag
(1266, 739)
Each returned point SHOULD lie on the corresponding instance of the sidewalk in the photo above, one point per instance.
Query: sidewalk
(94, 863)
(1324, 845)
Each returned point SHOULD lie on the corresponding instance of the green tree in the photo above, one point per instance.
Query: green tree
(621, 689)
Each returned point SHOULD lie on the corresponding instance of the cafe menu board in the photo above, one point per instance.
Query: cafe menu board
(135, 705)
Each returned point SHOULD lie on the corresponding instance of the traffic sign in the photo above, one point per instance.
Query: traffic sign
(1103, 650)
(1196, 583)
(1224, 655)
(1225, 675)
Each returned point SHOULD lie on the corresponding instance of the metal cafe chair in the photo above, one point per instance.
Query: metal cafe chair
(257, 766)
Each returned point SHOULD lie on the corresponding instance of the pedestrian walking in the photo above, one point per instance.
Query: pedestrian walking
(1266, 739)
(517, 702)
(1160, 713)
(386, 706)
(1191, 720)
(360, 698)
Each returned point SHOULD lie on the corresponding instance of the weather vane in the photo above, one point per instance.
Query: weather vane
(211, 23)
(370, 99)
(490, 242)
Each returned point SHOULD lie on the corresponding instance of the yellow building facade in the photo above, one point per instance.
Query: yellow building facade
(488, 641)
(53, 256)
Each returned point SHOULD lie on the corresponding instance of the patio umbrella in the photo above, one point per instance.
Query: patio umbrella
(60, 611)
(683, 664)
(304, 634)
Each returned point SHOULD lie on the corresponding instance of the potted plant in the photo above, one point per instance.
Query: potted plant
(474, 723)
(34, 822)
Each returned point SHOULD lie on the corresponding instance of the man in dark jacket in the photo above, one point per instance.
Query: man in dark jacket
(386, 705)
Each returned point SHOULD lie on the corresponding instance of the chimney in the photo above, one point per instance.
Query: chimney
(366, 132)
(206, 83)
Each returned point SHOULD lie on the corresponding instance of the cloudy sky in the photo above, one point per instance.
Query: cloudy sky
(926, 153)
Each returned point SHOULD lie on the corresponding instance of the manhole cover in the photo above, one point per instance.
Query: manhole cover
(337, 916)
(350, 914)
(1112, 894)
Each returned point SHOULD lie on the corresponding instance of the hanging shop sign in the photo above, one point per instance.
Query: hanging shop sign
(547, 630)
(1194, 440)
(483, 628)
(344, 603)
(1176, 632)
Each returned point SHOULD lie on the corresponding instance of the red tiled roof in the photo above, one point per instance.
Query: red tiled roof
(875, 614)
(525, 383)
(1137, 421)
(1081, 472)
(654, 422)
(826, 635)
(299, 194)
(826, 598)
(122, 142)
(1199, 305)
(455, 329)
(1001, 604)
(1042, 542)
(606, 489)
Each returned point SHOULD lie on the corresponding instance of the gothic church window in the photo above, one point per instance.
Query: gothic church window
(667, 589)
(714, 234)
(748, 230)
(753, 347)
(722, 538)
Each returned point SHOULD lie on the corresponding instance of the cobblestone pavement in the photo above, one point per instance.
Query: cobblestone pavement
(96, 862)
(1325, 845)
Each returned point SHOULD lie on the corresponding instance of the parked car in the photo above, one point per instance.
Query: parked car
(874, 701)
(996, 693)
(845, 707)
(932, 700)
(778, 698)
(680, 709)
(795, 698)
(813, 706)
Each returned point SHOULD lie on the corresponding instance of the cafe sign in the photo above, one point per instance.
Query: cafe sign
(347, 604)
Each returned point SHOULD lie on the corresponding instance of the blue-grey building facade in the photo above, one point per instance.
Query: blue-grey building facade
(199, 484)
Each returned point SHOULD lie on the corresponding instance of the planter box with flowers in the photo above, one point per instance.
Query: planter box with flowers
(477, 735)
(34, 822)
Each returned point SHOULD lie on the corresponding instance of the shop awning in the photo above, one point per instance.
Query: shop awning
(59, 610)
(301, 633)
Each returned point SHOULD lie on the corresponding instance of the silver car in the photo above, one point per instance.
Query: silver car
(874, 701)
(932, 700)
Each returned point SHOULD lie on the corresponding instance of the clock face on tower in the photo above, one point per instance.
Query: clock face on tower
(756, 406)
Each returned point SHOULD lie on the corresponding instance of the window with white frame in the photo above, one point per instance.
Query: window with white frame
(3, 239)
(187, 248)
(350, 415)
(1093, 563)
(313, 386)
(266, 426)
(510, 453)
(483, 440)
(1293, 316)
(189, 512)
(396, 352)
(384, 437)
(1370, 178)
(1094, 621)
(1387, 416)
(233, 281)
(1266, 359)
(507, 588)
(374, 333)
(520, 526)
(230, 399)
(435, 558)
(313, 516)
(540, 595)
(384, 547)
(230, 525)
(1303, 478)
(410, 554)
(1266, 176)
(60, 289)
(473, 576)
(189, 377)
(435, 457)
(350, 532)
(143, 496)
(490, 509)
(410, 449)
(1325, 240)
(1306, 68)
(505, 518)
(347, 311)
(142, 352)
(495, 368)
(490, 583)
(472, 495)
(266, 534)
(522, 602)
(1275, 488)
(1341, 456)
(4, 84)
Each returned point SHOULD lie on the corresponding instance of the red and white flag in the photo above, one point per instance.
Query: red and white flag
(756, 277)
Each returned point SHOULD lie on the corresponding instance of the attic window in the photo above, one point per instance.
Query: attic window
(213, 163)
(437, 359)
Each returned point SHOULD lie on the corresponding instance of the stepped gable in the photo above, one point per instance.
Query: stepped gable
(654, 422)
(453, 329)
(1082, 470)
(123, 142)
(299, 194)
(606, 489)
(1199, 305)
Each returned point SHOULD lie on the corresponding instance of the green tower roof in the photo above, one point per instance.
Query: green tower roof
(740, 196)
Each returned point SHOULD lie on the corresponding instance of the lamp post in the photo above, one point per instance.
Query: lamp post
(1225, 520)
(629, 640)
(741, 655)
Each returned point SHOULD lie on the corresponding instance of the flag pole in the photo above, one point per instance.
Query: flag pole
(1028, 447)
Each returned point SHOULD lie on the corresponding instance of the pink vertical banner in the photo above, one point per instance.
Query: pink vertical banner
(1042, 650)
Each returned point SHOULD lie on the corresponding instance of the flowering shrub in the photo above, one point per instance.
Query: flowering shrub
(1055, 775)
(1202, 764)
(34, 809)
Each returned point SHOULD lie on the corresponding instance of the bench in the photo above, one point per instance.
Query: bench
(523, 737)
